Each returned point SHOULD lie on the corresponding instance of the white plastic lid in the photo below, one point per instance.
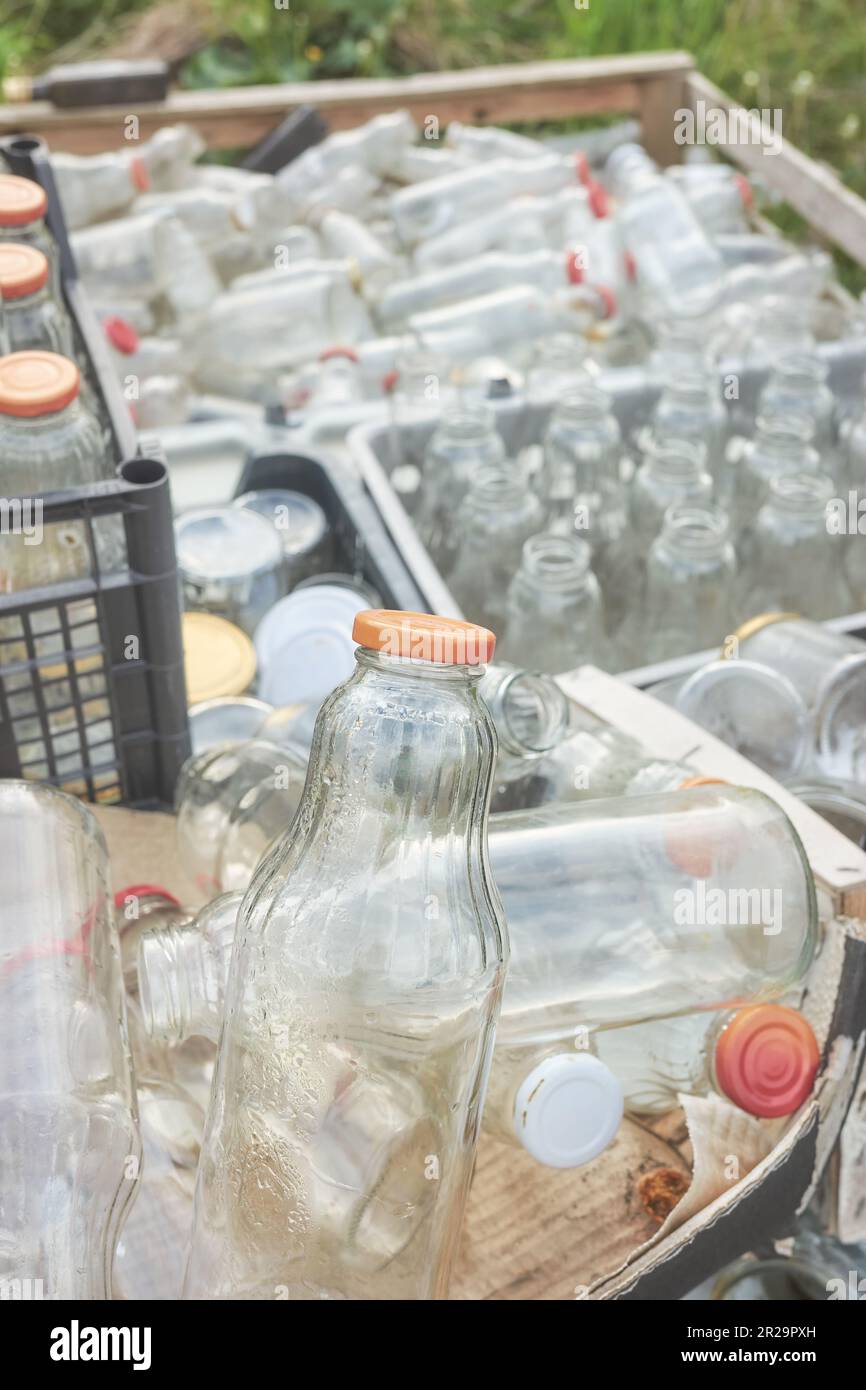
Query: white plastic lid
(568, 1109)
(304, 644)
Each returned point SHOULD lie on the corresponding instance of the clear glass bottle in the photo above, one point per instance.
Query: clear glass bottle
(48, 440)
(69, 1150)
(232, 801)
(794, 564)
(554, 612)
(497, 515)
(797, 386)
(781, 444)
(424, 210)
(829, 671)
(580, 473)
(33, 318)
(677, 266)
(689, 593)
(505, 318)
(478, 275)
(362, 995)
(673, 471)
(465, 440)
(691, 408)
(23, 204)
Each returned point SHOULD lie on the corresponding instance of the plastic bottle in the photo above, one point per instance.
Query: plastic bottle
(99, 185)
(492, 142)
(427, 209)
(32, 317)
(521, 226)
(356, 1051)
(479, 275)
(169, 155)
(489, 322)
(677, 266)
(345, 235)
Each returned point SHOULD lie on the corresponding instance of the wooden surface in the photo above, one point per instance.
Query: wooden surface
(239, 117)
(811, 188)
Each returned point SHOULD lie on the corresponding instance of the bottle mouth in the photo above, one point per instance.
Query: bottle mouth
(802, 369)
(468, 422)
(784, 433)
(696, 528)
(558, 562)
(533, 712)
(497, 483)
(584, 400)
(677, 458)
(801, 494)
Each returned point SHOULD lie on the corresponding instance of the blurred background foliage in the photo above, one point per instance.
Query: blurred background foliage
(806, 56)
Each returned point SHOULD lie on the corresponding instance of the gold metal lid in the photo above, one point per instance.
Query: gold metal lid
(219, 658)
(748, 629)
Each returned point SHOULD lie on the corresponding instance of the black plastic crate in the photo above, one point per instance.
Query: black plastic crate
(92, 689)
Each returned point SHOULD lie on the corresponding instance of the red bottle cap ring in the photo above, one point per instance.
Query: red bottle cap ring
(746, 192)
(598, 200)
(608, 299)
(574, 271)
(630, 266)
(330, 353)
(121, 334)
(582, 169)
(139, 174)
(766, 1060)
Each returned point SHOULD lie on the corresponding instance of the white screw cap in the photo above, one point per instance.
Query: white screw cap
(568, 1109)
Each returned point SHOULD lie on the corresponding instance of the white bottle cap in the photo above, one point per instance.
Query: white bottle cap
(568, 1109)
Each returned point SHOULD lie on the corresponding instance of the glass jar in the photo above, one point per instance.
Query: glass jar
(554, 612)
(829, 671)
(232, 801)
(350, 1081)
(68, 1117)
(690, 571)
(32, 316)
(230, 562)
(23, 205)
(498, 514)
(794, 564)
(465, 439)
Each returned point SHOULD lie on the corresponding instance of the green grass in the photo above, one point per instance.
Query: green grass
(807, 57)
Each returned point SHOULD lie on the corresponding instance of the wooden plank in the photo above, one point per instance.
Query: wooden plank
(241, 116)
(815, 191)
(661, 99)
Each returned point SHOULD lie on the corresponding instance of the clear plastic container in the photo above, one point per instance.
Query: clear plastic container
(829, 671)
(230, 563)
(677, 267)
(794, 564)
(498, 514)
(232, 801)
(70, 1150)
(32, 316)
(554, 613)
(348, 1091)
(97, 185)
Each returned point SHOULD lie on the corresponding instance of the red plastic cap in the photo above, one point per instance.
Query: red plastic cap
(330, 353)
(766, 1060)
(746, 192)
(139, 174)
(598, 200)
(582, 168)
(21, 201)
(630, 266)
(608, 299)
(574, 271)
(424, 637)
(389, 381)
(121, 334)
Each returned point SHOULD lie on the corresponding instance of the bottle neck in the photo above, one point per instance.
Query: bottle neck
(557, 564)
(497, 488)
(48, 422)
(676, 462)
(801, 498)
(696, 536)
(529, 710)
(786, 439)
(182, 971)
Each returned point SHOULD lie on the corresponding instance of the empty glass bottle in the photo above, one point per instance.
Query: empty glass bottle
(426, 209)
(691, 408)
(580, 474)
(673, 471)
(362, 995)
(465, 439)
(69, 1145)
(477, 275)
(506, 317)
(498, 513)
(688, 600)
(781, 444)
(554, 613)
(797, 385)
(828, 669)
(32, 316)
(794, 564)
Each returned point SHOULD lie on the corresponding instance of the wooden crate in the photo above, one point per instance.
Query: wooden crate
(652, 86)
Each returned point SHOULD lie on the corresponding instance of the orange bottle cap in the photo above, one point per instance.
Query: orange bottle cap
(766, 1060)
(23, 270)
(37, 383)
(424, 636)
(21, 201)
